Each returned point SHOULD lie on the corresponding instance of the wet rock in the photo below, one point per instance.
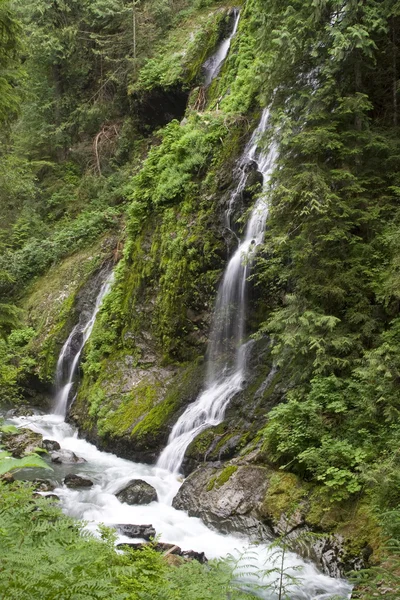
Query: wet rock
(137, 492)
(253, 182)
(76, 481)
(226, 499)
(20, 411)
(145, 532)
(44, 485)
(66, 457)
(22, 443)
(193, 555)
(52, 497)
(46, 496)
(7, 478)
(51, 445)
(168, 550)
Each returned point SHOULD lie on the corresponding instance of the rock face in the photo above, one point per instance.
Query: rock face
(264, 504)
(137, 492)
(76, 481)
(66, 457)
(146, 532)
(22, 443)
(228, 500)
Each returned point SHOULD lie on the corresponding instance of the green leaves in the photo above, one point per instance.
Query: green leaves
(8, 464)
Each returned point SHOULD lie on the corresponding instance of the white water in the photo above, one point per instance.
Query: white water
(213, 65)
(64, 363)
(227, 352)
(100, 505)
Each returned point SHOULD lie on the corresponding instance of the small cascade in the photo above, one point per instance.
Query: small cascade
(213, 65)
(248, 157)
(70, 354)
(227, 352)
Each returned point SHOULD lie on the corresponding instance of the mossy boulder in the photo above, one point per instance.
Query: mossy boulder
(22, 443)
(226, 498)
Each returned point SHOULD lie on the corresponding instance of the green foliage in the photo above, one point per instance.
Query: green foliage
(8, 464)
(383, 580)
(9, 67)
(329, 271)
(63, 560)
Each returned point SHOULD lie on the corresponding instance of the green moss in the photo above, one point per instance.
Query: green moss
(177, 393)
(132, 408)
(220, 480)
(178, 59)
(211, 483)
(285, 493)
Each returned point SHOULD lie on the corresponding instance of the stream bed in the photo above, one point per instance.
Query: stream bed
(110, 474)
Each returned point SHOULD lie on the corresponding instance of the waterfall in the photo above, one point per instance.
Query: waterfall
(66, 368)
(213, 65)
(227, 352)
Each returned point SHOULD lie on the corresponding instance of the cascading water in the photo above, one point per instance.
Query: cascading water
(227, 353)
(213, 65)
(70, 354)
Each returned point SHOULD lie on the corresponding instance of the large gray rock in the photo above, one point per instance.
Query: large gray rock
(137, 492)
(227, 499)
(66, 457)
(233, 499)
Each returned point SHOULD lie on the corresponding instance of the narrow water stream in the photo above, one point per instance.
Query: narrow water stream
(213, 65)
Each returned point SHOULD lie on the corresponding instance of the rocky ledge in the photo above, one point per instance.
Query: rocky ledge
(264, 504)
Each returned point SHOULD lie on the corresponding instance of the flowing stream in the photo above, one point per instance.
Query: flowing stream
(213, 65)
(110, 473)
(227, 352)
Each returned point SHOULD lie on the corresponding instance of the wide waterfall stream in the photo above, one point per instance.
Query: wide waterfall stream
(227, 363)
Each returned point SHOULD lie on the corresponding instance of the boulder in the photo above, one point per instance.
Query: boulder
(66, 457)
(227, 499)
(137, 492)
(146, 532)
(51, 445)
(76, 481)
(22, 443)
